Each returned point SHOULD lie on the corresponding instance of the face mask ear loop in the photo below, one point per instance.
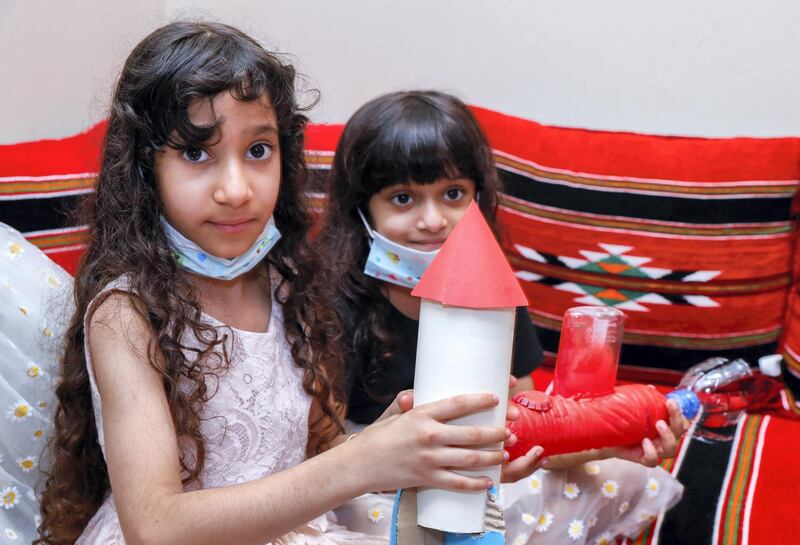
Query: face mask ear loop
(366, 224)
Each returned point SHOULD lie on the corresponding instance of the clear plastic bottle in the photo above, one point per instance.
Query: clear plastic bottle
(727, 388)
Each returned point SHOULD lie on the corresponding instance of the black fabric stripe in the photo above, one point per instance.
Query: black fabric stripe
(702, 473)
(26, 215)
(674, 359)
(663, 208)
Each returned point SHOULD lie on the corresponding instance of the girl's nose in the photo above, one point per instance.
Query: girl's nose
(431, 219)
(233, 188)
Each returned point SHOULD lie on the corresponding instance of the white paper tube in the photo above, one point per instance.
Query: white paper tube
(462, 351)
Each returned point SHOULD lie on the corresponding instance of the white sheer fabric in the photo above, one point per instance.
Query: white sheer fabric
(35, 305)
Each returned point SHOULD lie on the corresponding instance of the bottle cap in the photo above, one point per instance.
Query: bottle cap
(770, 365)
(687, 400)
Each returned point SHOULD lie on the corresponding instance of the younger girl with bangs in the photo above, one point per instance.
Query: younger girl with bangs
(199, 367)
(406, 168)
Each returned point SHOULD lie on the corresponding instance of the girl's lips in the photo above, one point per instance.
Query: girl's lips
(427, 246)
(232, 227)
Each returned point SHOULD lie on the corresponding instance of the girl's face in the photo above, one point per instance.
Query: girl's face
(221, 195)
(420, 216)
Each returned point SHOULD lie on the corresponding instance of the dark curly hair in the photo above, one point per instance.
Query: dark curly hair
(172, 67)
(411, 136)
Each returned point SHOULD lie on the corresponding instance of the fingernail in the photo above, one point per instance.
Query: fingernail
(537, 451)
(508, 433)
(506, 456)
(661, 425)
(489, 483)
(495, 398)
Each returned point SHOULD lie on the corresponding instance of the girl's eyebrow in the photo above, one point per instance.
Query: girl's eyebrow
(265, 128)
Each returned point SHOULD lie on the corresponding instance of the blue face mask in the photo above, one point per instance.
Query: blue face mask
(394, 263)
(193, 258)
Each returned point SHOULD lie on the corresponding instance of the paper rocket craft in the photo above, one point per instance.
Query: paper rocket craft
(466, 334)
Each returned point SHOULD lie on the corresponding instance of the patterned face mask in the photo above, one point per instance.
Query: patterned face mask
(193, 258)
(392, 262)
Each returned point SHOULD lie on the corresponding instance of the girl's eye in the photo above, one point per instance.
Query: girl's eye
(260, 151)
(401, 199)
(454, 193)
(195, 155)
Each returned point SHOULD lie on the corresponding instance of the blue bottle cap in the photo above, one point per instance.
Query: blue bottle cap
(687, 400)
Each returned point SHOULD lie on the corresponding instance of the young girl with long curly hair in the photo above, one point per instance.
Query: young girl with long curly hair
(200, 370)
(407, 166)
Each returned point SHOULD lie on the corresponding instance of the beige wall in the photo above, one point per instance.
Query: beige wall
(716, 67)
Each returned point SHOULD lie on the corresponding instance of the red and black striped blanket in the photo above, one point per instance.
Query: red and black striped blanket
(695, 239)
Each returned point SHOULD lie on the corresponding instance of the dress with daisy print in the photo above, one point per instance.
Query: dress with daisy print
(592, 504)
(35, 305)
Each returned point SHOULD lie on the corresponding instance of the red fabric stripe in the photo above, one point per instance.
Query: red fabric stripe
(773, 518)
(68, 260)
(320, 137)
(72, 155)
(641, 155)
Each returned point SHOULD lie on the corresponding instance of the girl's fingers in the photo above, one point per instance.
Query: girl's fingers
(466, 436)
(461, 458)
(451, 480)
(458, 406)
(512, 381)
(405, 400)
(677, 421)
(522, 466)
(649, 454)
(512, 413)
(668, 443)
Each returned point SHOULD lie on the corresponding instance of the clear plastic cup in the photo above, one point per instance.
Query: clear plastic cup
(588, 352)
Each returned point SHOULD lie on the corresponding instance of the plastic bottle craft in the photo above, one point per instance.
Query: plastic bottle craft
(586, 410)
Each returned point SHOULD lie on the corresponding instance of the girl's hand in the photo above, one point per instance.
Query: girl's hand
(650, 452)
(522, 466)
(418, 447)
(404, 402)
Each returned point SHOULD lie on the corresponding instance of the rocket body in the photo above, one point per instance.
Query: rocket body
(461, 351)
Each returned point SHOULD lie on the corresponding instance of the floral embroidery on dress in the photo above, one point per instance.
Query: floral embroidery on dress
(610, 489)
(575, 529)
(10, 497)
(572, 490)
(375, 514)
(19, 411)
(535, 484)
(652, 488)
(544, 522)
(27, 463)
(15, 250)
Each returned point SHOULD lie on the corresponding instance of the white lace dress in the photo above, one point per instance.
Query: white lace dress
(256, 423)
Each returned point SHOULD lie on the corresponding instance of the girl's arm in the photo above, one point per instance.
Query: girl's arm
(142, 454)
